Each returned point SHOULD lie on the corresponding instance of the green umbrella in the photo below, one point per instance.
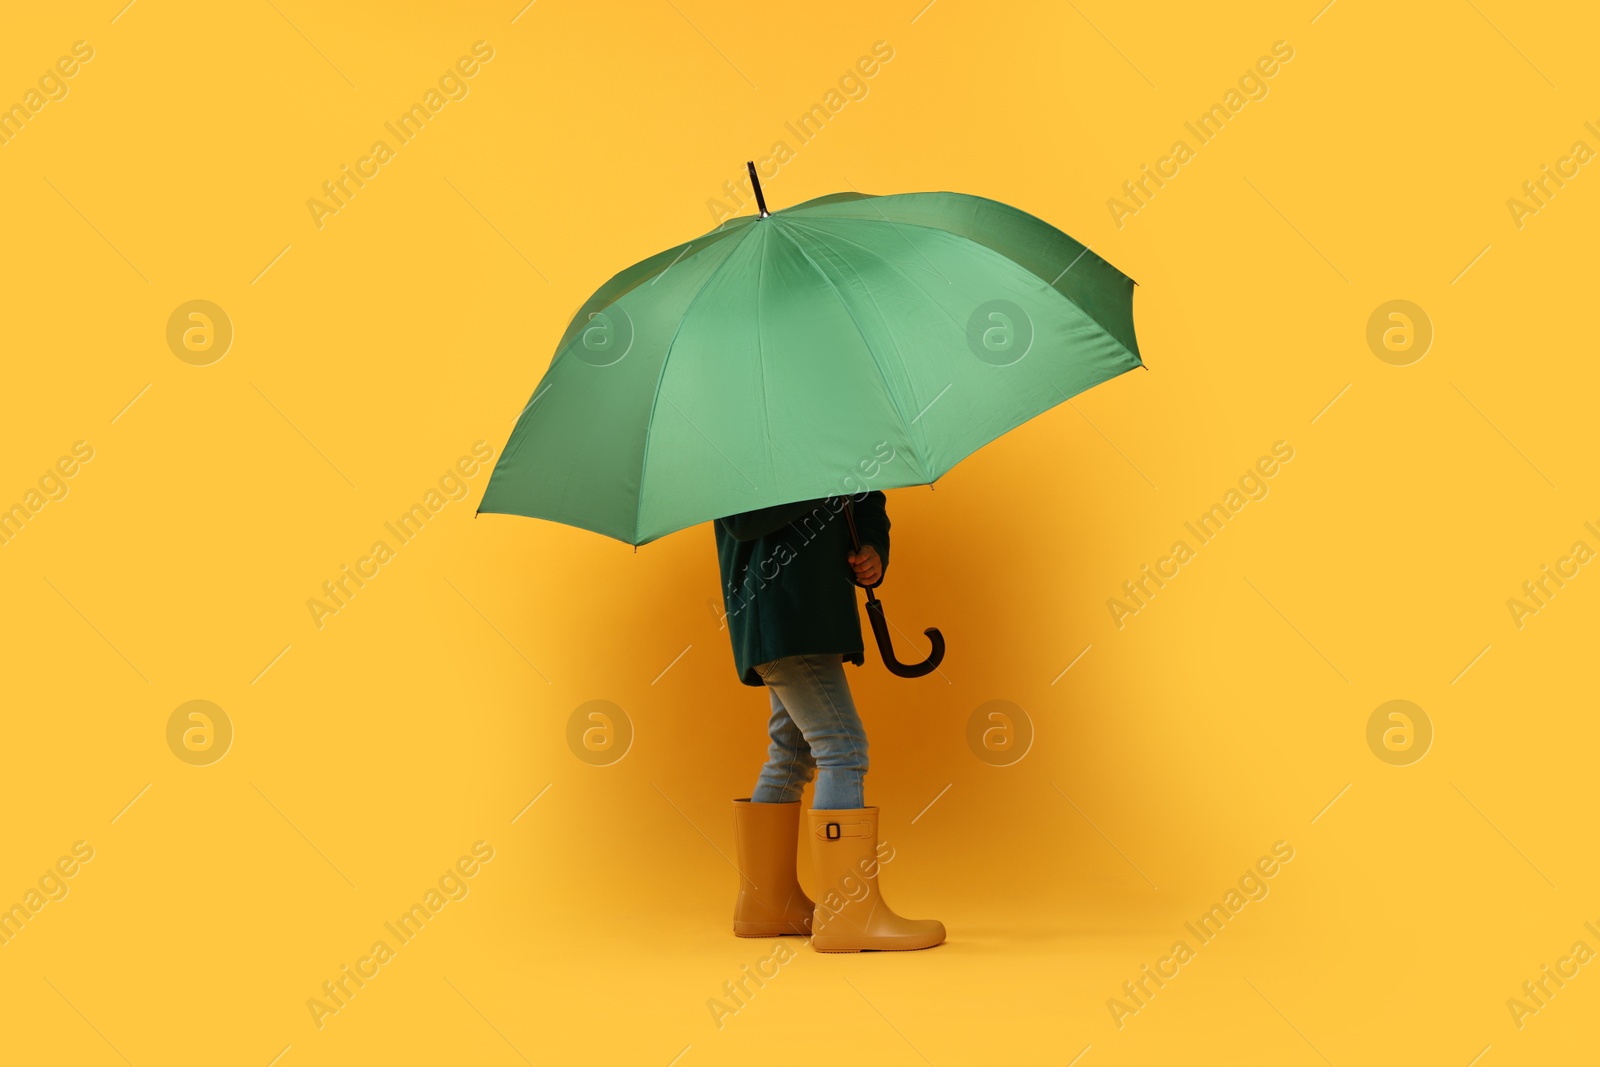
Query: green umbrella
(852, 342)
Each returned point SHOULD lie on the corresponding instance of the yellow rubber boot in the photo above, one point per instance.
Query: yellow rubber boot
(771, 902)
(851, 915)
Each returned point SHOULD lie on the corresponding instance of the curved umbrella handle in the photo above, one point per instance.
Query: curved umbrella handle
(880, 629)
(880, 625)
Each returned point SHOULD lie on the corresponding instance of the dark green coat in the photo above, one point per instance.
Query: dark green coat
(787, 585)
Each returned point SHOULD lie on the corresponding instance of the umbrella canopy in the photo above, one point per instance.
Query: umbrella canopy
(852, 342)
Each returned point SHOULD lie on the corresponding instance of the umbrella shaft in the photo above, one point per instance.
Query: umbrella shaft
(855, 538)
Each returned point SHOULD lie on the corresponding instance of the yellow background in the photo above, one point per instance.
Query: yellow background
(425, 716)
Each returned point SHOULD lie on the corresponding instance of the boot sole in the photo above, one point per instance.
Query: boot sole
(760, 929)
(885, 944)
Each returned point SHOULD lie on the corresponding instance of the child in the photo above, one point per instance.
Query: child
(789, 575)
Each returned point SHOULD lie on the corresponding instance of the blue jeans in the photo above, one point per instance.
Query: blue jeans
(815, 731)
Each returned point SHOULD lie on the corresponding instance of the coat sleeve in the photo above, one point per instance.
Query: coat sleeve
(749, 525)
(872, 524)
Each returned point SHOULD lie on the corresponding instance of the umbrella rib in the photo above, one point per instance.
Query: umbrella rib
(892, 265)
(1072, 304)
(761, 363)
(902, 236)
(661, 376)
(711, 241)
(871, 355)
(693, 425)
(973, 240)
(927, 468)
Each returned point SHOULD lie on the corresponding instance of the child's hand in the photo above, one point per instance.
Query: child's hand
(867, 565)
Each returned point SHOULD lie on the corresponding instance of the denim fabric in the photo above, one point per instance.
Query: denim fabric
(815, 731)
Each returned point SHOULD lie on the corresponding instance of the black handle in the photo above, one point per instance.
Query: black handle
(880, 629)
(880, 625)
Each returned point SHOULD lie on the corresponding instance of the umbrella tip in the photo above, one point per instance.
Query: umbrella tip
(755, 184)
